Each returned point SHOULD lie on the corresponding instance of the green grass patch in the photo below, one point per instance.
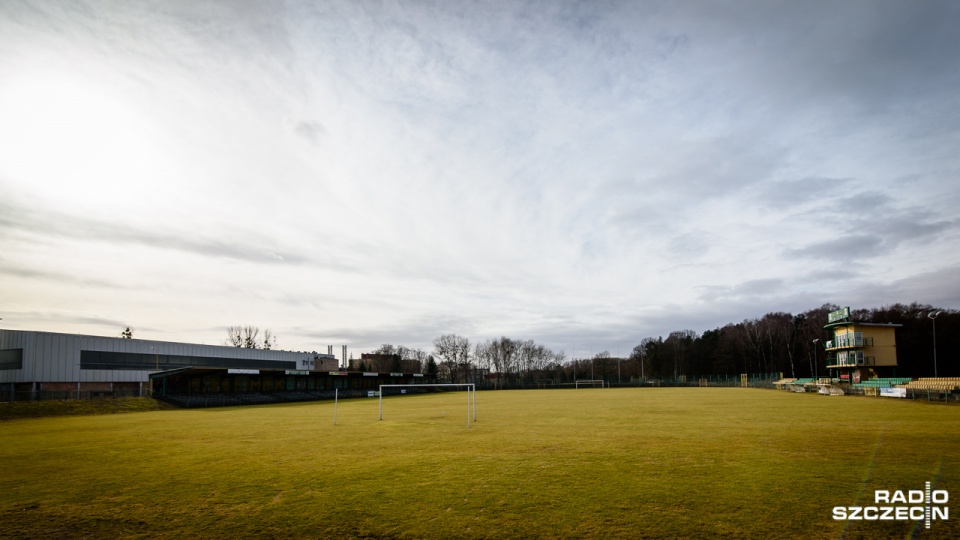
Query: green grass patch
(589, 463)
(83, 407)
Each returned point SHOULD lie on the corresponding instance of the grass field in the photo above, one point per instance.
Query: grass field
(594, 463)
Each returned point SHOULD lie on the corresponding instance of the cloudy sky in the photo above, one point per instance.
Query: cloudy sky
(584, 174)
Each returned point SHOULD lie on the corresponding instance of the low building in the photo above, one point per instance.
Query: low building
(50, 365)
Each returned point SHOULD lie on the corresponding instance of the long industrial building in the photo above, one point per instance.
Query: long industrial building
(49, 365)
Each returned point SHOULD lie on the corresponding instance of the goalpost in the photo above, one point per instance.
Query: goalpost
(471, 393)
(591, 383)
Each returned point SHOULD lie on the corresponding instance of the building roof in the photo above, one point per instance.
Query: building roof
(848, 323)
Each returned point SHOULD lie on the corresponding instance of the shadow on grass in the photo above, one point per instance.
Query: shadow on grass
(85, 407)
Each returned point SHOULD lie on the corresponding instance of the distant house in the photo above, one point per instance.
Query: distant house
(385, 363)
(860, 351)
(381, 362)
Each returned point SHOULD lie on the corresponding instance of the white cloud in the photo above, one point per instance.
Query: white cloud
(360, 172)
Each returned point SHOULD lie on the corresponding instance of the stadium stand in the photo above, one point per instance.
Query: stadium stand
(937, 384)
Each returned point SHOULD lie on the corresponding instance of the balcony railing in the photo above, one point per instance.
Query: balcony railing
(849, 341)
(851, 360)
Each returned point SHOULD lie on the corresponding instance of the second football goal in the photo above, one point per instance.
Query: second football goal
(470, 388)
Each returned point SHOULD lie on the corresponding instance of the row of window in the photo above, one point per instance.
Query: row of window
(163, 362)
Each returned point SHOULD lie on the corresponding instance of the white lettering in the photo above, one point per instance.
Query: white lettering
(899, 513)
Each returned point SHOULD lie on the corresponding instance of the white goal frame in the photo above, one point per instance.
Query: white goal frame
(471, 389)
(591, 381)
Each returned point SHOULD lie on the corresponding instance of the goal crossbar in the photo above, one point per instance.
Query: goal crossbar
(471, 389)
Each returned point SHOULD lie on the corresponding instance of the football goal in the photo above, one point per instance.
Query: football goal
(470, 387)
(589, 383)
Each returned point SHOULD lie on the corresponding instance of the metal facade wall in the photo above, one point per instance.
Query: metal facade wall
(54, 357)
(46, 356)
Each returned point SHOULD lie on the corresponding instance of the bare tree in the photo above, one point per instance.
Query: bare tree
(559, 359)
(269, 340)
(248, 337)
(503, 356)
(526, 350)
(420, 356)
(234, 336)
(680, 342)
(637, 355)
(752, 337)
(598, 365)
(482, 356)
(386, 348)
(454, 351)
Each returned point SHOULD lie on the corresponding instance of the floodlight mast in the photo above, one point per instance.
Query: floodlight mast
(933, 317)
(816, 359)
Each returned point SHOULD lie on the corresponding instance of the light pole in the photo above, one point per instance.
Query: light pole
(933, 317)
(816, 359)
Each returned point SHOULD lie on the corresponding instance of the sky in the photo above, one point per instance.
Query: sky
(583, 174)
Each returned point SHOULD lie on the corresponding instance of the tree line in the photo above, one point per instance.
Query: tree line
(778, 342)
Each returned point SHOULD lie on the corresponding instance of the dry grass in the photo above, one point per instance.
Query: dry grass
(597, 463)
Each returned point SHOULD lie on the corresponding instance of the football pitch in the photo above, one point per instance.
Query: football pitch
(588, 463)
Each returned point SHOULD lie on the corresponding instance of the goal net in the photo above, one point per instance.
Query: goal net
(589, 384)
(400, 389)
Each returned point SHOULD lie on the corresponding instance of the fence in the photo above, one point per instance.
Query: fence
(753, 380)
